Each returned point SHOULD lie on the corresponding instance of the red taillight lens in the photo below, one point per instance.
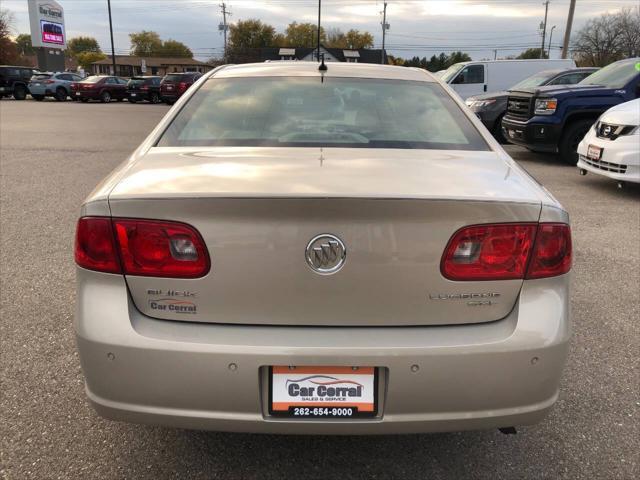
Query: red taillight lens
(151, 248)
(48, 81)
(508, 251)
(489, 252)
(144, 87)
(161, 249)
(552, 252)
(182, 86)
(95, 247)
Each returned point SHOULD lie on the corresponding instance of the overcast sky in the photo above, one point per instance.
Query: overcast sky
(418, 27)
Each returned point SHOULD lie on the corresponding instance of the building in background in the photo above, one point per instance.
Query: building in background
(129, 66)
(308, 54)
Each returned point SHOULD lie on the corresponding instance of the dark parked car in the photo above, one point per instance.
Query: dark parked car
(175, 84)
(14, 81)
(555, 119)
(56, 85)
(100, 87)
(144, 88)
(491, 107)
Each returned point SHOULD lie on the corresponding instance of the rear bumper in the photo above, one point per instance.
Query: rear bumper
(497, 374)
(138, 95)
(539, 137)
(169, 96)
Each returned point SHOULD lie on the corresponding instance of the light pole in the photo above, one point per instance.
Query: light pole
(113, 50)
(550, 38)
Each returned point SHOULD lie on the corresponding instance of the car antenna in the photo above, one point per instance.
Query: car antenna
(322, 67)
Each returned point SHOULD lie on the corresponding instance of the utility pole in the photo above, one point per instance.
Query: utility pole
(550, 38)
(319, 10)
(113, 50)
(544, 28)
(385, 26)
(567, 31)
(224, 27)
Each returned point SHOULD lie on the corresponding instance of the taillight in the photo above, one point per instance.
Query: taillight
(155, 248)
(95, 247)
(49, 81)
(553, 252)
(182, 86)
(144, 87)
(508, 251)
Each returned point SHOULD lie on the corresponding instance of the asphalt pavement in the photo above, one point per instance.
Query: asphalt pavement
(53, 154)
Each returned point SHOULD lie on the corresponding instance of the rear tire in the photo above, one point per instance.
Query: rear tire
(105, 97)
(38, 98)
(154, 97)
(61, 95)
(131, 100)
(19, 92)
(84, 100)
(571, 137)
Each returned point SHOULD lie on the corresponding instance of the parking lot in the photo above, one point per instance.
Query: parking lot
(53, 154)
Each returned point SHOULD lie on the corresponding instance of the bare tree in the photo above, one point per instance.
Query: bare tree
(8, 49)
(629, 22)
(608, 38)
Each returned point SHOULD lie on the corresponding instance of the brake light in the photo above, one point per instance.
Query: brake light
(144, 87)
(508, 251)
(154, 248)
(95, 247)
(552, 253)
(48, 81)
(182, 86)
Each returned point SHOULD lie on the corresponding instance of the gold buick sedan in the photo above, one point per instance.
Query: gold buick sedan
(333, 249)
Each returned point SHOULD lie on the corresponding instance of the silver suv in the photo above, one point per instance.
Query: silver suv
(56, 85)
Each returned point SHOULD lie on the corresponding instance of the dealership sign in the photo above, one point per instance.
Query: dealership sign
(46, 18)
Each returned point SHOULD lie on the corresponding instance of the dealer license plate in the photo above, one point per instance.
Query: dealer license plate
(594, 153)
(134, 94)
(323, 392)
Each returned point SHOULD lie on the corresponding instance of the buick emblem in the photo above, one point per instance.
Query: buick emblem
(325, 254)
(606, 131)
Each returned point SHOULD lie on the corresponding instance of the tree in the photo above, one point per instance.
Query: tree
(457, 57)
(8, 49)
(303, 35)
(250, 34)
(85, 59)
(23, 44)
(173, 48)
(77, 45)
(354, 39)
(531, 53)
(357, 39)
(608, 38)
(145, 44)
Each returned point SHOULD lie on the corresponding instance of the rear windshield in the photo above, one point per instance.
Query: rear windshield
(137, 81)
(305, 111)
(173, 78)
(95, 79)
(535, 80)
(616, 75)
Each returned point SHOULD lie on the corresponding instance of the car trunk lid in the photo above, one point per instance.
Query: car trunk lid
(394, 210)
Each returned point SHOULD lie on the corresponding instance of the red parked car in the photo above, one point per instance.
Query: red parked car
(174, 85)
(100, 87)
